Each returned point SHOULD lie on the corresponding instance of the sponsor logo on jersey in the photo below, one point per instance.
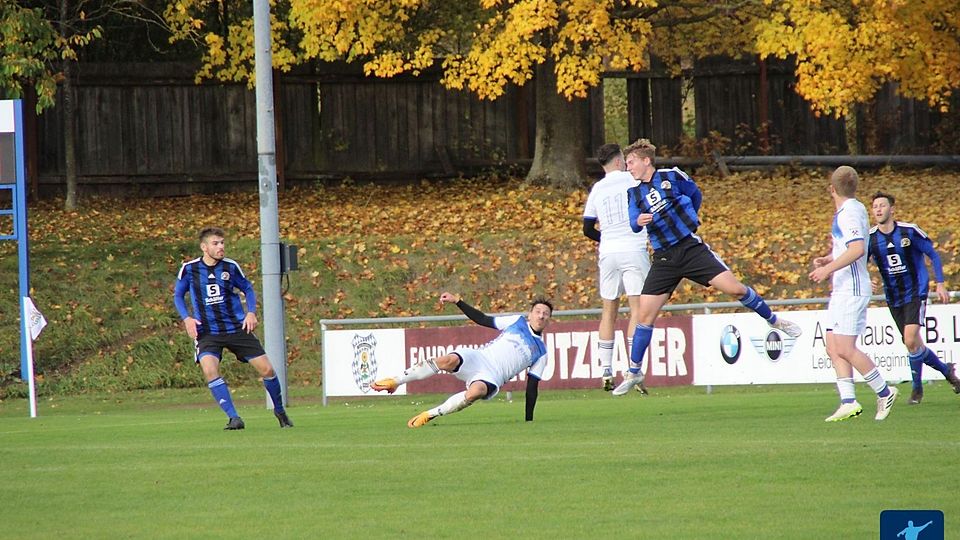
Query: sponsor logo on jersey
(364, 365)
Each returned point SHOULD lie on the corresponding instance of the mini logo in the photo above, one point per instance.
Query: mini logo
(665, 184)
(889, 245)
(775, 345)
(364, 361)
(904, 242)
(911, 525)
(211, 276)
(730, 344)
(225, 276)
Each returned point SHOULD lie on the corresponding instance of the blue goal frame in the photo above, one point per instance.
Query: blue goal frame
(18, 189)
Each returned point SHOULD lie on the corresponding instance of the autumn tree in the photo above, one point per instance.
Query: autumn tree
(844, 49)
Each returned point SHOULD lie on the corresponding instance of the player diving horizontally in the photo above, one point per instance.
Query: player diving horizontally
(519, 346)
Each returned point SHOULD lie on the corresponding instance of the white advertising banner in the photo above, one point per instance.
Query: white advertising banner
(740, 348)
(353, 359)
(6, 116)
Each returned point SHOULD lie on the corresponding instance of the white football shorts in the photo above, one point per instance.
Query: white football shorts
(622, 273)
(847, 314)
(477, 367)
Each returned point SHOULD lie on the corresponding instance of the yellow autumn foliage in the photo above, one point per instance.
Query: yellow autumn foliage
(845, 49)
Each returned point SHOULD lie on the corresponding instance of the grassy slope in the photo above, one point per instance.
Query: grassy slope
(743, 462)
(103, 275)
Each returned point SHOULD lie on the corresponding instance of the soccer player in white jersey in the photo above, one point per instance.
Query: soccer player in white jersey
(849, 297)
(622, 253)
(519, 346)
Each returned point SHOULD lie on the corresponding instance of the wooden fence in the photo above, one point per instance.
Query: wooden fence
(149, 129)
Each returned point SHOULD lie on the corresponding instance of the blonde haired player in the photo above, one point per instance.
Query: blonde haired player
(849, 297)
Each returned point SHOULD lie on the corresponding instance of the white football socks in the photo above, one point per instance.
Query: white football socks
(454, 403)
(605, 351)
(845, 388)
(418, 372)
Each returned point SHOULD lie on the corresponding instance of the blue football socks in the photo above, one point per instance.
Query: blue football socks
(221, 394)
(273, 388)
(931, 359)
(916, 368)
(755, 302)
(641, 340)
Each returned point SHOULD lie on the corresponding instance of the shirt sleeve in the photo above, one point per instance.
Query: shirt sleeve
(850, 228)
(926, 246)
(689, 188)
(242, 283)
(633, 208)
(537, 367)
(180, 288)
(590, 210)
(503, 321)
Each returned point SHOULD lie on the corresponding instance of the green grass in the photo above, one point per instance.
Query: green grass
(754, 462)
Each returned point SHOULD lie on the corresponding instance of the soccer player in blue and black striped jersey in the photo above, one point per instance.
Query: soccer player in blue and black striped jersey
(665, 203)
(898, 249)
(219, 321)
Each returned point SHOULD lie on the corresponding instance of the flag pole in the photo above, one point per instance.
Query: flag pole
(28, 337)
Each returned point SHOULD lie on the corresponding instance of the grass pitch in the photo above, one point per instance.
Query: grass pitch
(754, 462)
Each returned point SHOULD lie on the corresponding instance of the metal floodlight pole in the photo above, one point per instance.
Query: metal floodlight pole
(274, 342)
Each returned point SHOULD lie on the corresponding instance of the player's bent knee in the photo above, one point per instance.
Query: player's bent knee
(263, 367)
(448, 362)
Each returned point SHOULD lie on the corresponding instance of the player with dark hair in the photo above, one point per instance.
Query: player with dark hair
(665, 203)
(898, 249)
(846, 266)
(519, 346)
(220, 321)
(621, 254)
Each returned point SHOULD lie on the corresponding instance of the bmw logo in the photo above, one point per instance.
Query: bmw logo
(730, 344)
(773, 346)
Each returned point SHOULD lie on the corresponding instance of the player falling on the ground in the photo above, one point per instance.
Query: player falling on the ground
(898, 249)
(849, 297)
(621, 254)
(666, 203)
(519, 346)
(220, 321)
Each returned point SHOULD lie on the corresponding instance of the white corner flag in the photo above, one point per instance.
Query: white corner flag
(33, 323)
(35, 320)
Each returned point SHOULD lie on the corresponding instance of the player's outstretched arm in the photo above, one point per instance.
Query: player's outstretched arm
(533, 388)
(471, 312)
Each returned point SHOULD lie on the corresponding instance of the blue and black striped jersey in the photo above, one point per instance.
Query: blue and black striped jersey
(899, 256)
(214, 296)
(674, 200)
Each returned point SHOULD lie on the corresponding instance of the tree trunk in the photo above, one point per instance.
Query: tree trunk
(69, 116)
(558, 156)
(69, 136)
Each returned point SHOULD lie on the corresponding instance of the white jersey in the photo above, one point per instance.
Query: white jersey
(850, 223)
(607, 203)
(514, 350)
